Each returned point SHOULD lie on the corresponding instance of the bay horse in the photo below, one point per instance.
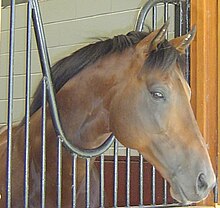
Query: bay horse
(132, 86)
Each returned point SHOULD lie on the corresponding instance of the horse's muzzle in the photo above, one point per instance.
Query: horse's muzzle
(195, 193)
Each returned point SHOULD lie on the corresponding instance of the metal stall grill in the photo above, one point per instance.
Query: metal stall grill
(33, 16)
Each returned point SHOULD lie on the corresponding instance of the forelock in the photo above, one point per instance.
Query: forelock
(164, 57)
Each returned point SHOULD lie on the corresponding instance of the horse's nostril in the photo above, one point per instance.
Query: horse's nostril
(202, 185)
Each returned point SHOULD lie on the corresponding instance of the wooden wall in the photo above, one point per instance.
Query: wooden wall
(218, 88)
(204, 73)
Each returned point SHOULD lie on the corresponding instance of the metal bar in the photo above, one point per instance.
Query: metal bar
(181, 18)
(27, 107)
(216, 193)
(74, 171)
(145, 10)
(176, 21)
(10, 104)
(165, 191)
(115, 173)
(187, 73)
(166, 13)
(141, 180)
(43, 145)
(154, 18)
(59, 174)
(88, 182)
(45, 64)
(153, 188)
(102, 180)
(128, 170)
(154, 26)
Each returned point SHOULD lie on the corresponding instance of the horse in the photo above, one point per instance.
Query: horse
(130, 85)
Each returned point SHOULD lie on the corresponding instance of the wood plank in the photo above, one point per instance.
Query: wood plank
(218, 95)
(204, 74)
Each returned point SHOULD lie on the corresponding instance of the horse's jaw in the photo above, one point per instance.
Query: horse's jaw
(180, 196)
(184, 184)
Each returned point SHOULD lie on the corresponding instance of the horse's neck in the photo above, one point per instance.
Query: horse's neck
(84, 102)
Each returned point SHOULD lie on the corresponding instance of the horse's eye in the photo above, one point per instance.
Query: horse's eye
(157, 95)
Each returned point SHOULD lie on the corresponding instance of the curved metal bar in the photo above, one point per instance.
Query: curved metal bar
(45, 63)
(145, 10)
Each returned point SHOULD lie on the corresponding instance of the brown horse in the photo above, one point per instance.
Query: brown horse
(132, 86)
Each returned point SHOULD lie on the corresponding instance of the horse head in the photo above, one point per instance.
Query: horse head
(152, 114)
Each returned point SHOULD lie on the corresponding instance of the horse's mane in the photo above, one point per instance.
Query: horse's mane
(69, 66)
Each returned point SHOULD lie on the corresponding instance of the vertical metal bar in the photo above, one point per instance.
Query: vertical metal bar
(187, 19)
(181, 18)
(74, 171)
(141, 180)
(154, 18)
(153, 188)
(102, 180)
(177, 20)
(128, 170)
(43, 145)
(164, 191)
(59, 173)
(187, 73)
(88, 182)
(154, 25)
(216, 193)
(27, 107)
(115, 173)
(10, 103)
(166, 11)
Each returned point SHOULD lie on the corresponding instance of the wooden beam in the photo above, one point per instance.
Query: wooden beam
(219, 97)
(204, 74)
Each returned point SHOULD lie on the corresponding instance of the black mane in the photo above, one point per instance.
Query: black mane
(69, 66)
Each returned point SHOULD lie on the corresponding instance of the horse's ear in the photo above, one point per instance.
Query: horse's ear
(150, 42)
(182, 42)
